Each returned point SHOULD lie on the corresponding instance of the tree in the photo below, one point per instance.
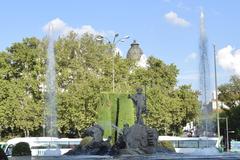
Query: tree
(230, 92)
(4, 87)
(230, 95)
(22, 99)
(169, 108)
(190, 106)
(84, 71)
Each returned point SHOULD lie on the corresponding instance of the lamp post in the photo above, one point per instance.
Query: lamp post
(216, 90)
(113, 44)
(227, 132)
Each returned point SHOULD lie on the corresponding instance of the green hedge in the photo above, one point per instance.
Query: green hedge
(107, 112)
(21, 149)
(127, 111)
(104, 113)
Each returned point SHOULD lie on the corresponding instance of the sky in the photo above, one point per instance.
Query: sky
(166, 29)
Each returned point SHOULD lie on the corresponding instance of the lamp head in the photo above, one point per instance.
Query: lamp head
(99, 37)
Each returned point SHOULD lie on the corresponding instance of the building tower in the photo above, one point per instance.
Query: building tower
(135, 52)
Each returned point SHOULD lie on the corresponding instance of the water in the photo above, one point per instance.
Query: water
(222, 156)
(204, 63)
(51, 111)
(207, 125)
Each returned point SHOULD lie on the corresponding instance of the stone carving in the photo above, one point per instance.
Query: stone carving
(96, 132)
(137, 139)
(92, 143)
(139, 101)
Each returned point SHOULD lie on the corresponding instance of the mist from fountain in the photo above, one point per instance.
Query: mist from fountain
(204, 79)
(51, 110)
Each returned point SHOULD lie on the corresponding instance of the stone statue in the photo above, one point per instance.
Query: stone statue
(96, 131)
(139, 101)
(92, 143)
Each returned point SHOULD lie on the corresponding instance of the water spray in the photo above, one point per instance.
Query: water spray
(51, 111)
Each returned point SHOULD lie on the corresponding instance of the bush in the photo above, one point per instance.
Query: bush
(167, 145)
(107, 112)
(21, 149)
(3, 155)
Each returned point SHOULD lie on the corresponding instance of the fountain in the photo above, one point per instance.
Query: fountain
(207, 126)
(51, 111)
(138, 139)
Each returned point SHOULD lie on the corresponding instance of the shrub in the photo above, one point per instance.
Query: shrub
(107, 112)
(3, 155)
(167, 145)
(21, 149)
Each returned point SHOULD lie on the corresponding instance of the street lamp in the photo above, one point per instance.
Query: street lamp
(113, 44)
(227, 137)
(216, 90)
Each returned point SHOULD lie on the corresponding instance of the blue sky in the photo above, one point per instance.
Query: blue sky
(167, 29)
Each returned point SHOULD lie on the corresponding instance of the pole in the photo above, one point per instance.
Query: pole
(216, 92)
(227, 134)
(117, 118)
(112, 45)
(113, 68)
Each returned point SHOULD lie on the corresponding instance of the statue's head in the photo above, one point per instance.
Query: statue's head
(139, 90)
(126, 125)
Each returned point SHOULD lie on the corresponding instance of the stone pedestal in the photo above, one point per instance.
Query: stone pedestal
(137, 139)
(93, 143)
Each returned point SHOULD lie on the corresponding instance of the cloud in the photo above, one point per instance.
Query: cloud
(83, 29)
(56, 24)
(62, 28)
(173, 18)
(142, 62)
(229, 59)
(118, 51)
(191, 57)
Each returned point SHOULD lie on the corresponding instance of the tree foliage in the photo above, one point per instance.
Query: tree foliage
(230, 92)
(84, 70)
(21, 99)
(230, 95)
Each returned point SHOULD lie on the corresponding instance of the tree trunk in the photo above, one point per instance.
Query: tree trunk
(26, 132)
(79, 135)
